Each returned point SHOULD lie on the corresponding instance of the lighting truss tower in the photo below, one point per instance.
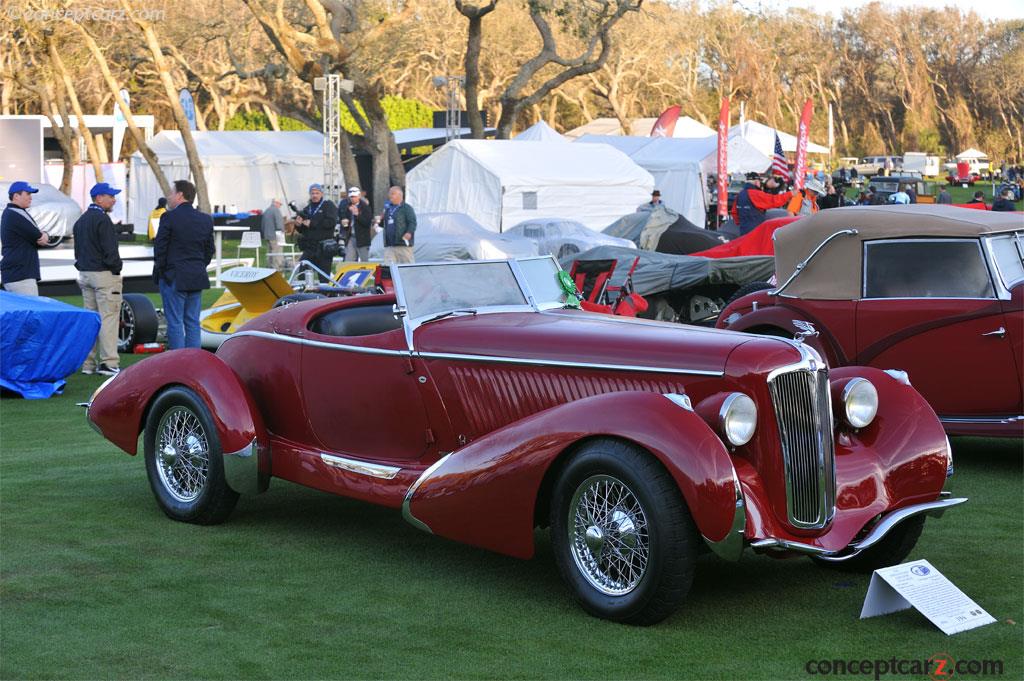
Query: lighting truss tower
(453, 112)
(331, 86)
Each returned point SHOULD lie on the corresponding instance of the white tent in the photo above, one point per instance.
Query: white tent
(686, 128)
(681, 166)
(503, 182)
(971, 154)
(763, 138)
(540, 132)
(598, 126)
(242, 168)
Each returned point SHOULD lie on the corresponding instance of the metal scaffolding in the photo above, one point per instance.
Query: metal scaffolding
(332, 86)
(453, 112)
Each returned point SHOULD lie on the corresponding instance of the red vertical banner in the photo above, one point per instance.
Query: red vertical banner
(802, 134)
(723, 160)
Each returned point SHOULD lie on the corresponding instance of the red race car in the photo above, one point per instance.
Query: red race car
(935, 291)
(482, 403)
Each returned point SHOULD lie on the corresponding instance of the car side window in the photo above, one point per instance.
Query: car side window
(926, 268)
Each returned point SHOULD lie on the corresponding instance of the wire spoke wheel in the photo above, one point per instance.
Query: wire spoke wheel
(610, 538)
(182, 454)
(125, 327)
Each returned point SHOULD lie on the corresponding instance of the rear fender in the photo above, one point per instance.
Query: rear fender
(485, 493)
(120, 408)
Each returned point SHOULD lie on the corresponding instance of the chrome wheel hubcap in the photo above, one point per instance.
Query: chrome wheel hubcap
(183, 454)
(610, 542)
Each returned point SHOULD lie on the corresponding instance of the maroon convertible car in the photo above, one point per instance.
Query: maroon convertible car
(480, 402)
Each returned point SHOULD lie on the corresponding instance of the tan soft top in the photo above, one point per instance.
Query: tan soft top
(835, 272)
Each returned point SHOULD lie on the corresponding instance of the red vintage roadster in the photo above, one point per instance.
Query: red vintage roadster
(936, 291)
(487, 406)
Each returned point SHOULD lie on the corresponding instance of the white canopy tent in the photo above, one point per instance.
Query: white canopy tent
(681, 166)
(763, 138)
(500, 183)
(540, 132)
(971, 154)
(242, 168)
(686, 128)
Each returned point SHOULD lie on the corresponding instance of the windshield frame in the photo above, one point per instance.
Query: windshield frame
(413, 323)
(1017, 236)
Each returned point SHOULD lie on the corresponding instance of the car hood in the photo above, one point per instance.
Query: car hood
(574, 336)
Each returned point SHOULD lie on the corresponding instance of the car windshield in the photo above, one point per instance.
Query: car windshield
(1009, 257)
(434, 289)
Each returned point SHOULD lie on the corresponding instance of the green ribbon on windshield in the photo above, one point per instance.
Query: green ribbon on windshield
(572, 295)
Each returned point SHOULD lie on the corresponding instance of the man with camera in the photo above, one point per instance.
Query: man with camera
(356, 216)
(315, 225)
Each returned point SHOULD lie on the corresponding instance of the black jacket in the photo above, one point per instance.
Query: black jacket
(96, 242)
(183, 248)
(321, 225)
(1002, 204)
(360, 223)
(18, 236)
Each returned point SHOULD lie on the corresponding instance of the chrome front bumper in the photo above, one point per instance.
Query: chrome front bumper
(877, 533)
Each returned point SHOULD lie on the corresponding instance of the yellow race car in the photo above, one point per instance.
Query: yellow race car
(251, 291)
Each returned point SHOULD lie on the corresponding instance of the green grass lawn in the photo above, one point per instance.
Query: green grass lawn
(95, 582)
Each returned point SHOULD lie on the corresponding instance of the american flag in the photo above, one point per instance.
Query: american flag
(779, 166)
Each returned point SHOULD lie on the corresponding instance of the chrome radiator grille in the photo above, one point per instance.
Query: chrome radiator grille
(804, 412)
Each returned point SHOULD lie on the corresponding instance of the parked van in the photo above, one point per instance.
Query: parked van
(875, 165)
(920, 162)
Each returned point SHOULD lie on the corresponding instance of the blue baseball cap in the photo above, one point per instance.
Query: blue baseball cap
(316, 185)
(103, 188)
(20, 186)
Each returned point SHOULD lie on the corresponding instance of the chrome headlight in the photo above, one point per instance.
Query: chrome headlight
(738, 419)
(860, 402)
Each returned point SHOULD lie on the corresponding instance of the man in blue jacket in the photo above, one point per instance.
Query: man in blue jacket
(21, 238)
(99, 276)
(181, 253)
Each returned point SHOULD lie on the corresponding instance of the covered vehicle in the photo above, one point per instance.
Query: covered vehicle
(563, 238)
(681, 288)
(487, 406)
(758, 241)
(665, 231)
(54, 212)
(456, 236)
(934, 291)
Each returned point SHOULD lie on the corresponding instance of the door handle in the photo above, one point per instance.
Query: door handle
(999, 333)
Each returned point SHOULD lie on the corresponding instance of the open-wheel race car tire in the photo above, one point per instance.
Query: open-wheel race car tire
(184, 460)
(622, 536)
(138, 322)
(292, 298)
(896, 546)
(747, 289)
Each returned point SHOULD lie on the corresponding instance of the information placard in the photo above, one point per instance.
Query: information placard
(919, 585)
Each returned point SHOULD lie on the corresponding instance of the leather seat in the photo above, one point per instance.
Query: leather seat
(364, 320)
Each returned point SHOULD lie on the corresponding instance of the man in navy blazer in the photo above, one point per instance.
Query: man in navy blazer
(182, 251)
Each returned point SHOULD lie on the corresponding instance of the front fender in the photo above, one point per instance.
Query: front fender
(740, 316)
(118, 410)
(485, 493)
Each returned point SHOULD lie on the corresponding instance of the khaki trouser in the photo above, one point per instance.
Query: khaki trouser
(23, 287)
(101, 291)
(398, 254)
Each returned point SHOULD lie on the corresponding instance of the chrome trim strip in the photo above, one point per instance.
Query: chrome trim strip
(566, 363)
(406, 512)
(242, 469)
(318, 344)
(803, 264)
(731, 546)
(877, 533)
(471, 358)
(679, 400)
(374, 470)
(995, 420)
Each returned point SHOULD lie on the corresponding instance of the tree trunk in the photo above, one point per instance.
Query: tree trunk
(69, 88)
(195, 163)
(115, 91)
(471, 63)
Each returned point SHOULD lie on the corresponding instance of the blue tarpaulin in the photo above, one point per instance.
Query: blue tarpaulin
(42, 341)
